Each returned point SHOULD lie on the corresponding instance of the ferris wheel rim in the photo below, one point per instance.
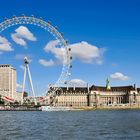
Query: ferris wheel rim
(31, 20)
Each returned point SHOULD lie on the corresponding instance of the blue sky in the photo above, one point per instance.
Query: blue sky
(112, 27)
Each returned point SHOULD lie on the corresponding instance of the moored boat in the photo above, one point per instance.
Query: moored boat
(55, 108)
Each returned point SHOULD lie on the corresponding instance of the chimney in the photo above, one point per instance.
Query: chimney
(67, 87)
(74, 87)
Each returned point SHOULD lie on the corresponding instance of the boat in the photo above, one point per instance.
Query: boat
(55, 108)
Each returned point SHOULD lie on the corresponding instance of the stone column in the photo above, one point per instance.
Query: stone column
(119, 99)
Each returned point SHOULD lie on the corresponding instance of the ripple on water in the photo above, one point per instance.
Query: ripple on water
(77, 125)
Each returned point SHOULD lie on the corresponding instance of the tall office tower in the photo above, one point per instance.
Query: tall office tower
(7, 81)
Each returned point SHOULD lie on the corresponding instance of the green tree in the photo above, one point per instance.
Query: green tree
(1, 101)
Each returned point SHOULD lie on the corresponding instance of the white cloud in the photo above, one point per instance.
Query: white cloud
(19, 85)
(22, 34)
(86, 52)
(119, 76)
(52, 47)
(5, 45)
(46, 63)
(22, 56)
(83, 51)
(22, 67)
(77, 82)
(114, 65)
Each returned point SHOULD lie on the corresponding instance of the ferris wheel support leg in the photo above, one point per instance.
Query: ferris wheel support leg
(31, 84)
(23, 86)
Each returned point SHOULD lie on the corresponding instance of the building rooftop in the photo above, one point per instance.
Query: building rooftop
(6, 65)
(74, 88)
(119, 88)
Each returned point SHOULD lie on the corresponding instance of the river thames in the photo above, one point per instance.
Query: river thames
(74, 125)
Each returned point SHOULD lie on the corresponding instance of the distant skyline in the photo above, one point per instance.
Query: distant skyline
(104, 36)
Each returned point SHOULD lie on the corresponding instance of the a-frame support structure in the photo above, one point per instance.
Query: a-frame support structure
(27, 70)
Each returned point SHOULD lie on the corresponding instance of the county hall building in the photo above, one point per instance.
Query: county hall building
(96, 96)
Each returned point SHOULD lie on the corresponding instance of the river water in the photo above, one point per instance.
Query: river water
(75, 125)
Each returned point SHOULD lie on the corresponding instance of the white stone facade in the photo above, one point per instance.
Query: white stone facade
(96, 96)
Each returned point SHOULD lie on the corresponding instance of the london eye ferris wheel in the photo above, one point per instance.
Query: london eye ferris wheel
(47, 26)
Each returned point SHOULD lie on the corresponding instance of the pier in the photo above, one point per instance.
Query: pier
(20, 108)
